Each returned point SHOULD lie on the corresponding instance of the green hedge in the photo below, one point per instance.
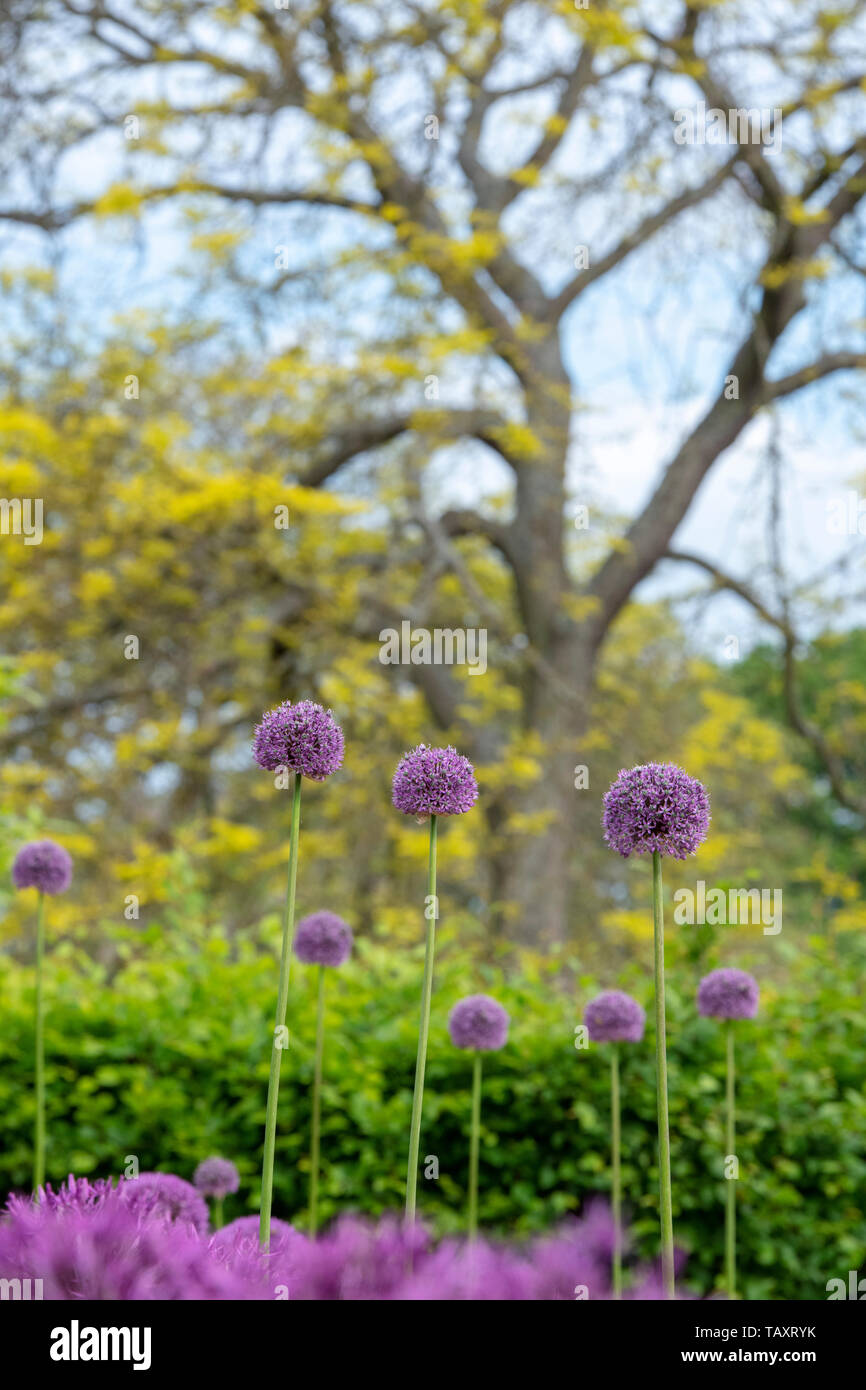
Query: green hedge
(166, 1058)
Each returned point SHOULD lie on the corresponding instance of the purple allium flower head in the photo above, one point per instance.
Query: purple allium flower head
(233, 1235)
(237, 1247)
(614, 1017)
(479, 1023)
(354, 1259)
(656, 807)
(44, 865)
(216, 1177)
(112, 1253)
(75, 1194)
(477, 1271)
(579, 1252)
(728, 993)
(434, 782)
(167, 1196)
(304, 737)
(323, 938)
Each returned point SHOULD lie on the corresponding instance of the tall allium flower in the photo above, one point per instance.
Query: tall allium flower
(303, 737)
(47, 867)
(477, 1024)
(729, 994)
(216, 1178)
(614, 1017)
(44, 865)
(306, 739)
(323, 939)
(429, 782)
(434, 782)
(658, 809)
(167, 1196)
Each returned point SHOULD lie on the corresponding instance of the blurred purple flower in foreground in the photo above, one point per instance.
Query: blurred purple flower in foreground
(323, 938)
(304, 737)
(43, 865)
(434, 782)
(656, 807)
(728, 993)
(87, 1241)
(614, 1017)
(164, 1195)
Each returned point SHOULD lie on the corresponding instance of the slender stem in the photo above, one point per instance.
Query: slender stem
(474, 1144)
(39, 1135)
(616, 1177)
(282, 1006)
(217, 1213)
(731, 1192)
(317, 1102)
(431, 913)
(665, 1202)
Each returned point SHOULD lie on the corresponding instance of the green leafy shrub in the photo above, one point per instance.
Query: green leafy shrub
(164, 1057)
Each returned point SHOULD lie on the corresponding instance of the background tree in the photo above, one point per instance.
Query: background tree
(413, 203)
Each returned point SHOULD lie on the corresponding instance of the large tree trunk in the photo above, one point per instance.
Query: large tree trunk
(534, 865)
(532, 860)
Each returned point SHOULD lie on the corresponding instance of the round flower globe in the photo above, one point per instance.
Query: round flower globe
(434, 782)
(44, 865)
(728, 993)
(323, 938)
(216, 1177)
(614, 1017)
(656, 808)
(304, 737)
(478, 1023)
(166, 1196)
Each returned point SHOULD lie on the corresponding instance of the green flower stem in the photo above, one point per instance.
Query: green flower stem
(423, 1031)
(217, 1213)
(282, 1007)
(474, 1144)
(665, 1202)
(615, 1173)
(731, 1193)
(317, 1103)
(39, 1134)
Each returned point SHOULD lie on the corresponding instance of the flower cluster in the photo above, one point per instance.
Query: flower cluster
(43, 865)
(89, 1242)
(304, 737)
(614, 1017)
(478, 1023)
(434, 782)
(167, 1196)
(216, 1177)
(323, 938)
(728, 993)
(657, 807)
